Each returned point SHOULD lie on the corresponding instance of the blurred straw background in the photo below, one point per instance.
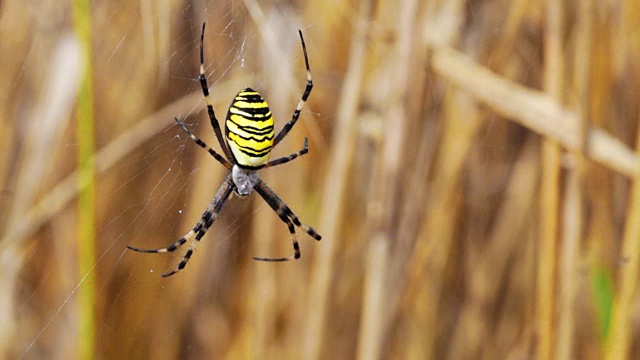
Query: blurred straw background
(473, 169)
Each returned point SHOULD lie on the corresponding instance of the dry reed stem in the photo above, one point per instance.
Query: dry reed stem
(371, 332)
(620, 342)
(550, 186)
(412, 207)
(420, 304)
(534, 110)
(574, 198)
(572, 224)
(435, 237)
(411, 220)
(617, 346)
(515, 19)
(384, 202)
(46, 125)
(443, 22)
(504, 243)
(334, 190)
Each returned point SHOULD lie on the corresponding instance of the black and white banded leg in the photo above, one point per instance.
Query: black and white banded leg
(198, 231)
(204, 145)
(286, 159)
(205, 90)
(287, 216)
(303, 99)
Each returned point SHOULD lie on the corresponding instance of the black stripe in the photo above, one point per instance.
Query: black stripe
(253, 98)
(266, 138)
(253, 155)
(254, 130)
(249, 138)
(251, 152)
(252, 111)
(251, 114)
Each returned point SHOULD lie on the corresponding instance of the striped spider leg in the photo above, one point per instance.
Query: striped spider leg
(198, 231)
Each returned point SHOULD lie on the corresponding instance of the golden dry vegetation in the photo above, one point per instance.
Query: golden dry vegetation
(473, 170)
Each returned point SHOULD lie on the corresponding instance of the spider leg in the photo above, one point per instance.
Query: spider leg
(286, 159)
(205, 90)
(203, 145)
(296, 246)
(207, 220)
(195, 234)
(287, 216)
(303, 99)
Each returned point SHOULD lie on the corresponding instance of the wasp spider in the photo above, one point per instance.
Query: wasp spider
(249, 139)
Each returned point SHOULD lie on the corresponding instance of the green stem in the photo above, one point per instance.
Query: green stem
(86, 183)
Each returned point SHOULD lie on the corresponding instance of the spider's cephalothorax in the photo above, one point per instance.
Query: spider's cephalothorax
(249, 138)
(244, 180)
(249, 129)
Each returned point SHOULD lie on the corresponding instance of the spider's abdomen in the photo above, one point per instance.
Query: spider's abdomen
(249, 129)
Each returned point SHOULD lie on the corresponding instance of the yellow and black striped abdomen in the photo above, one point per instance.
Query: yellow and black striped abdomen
(249, 129)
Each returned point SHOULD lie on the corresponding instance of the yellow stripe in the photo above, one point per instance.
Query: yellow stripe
(261, 137)
(250, 161)
(242, 121)
(247, 93)
(250, 105)
(252, 145)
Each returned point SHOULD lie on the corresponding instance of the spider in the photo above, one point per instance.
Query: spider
(249, 139)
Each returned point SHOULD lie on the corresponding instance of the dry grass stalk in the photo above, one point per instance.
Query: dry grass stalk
(550, 184)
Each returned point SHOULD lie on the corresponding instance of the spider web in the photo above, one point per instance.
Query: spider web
(166, 182)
